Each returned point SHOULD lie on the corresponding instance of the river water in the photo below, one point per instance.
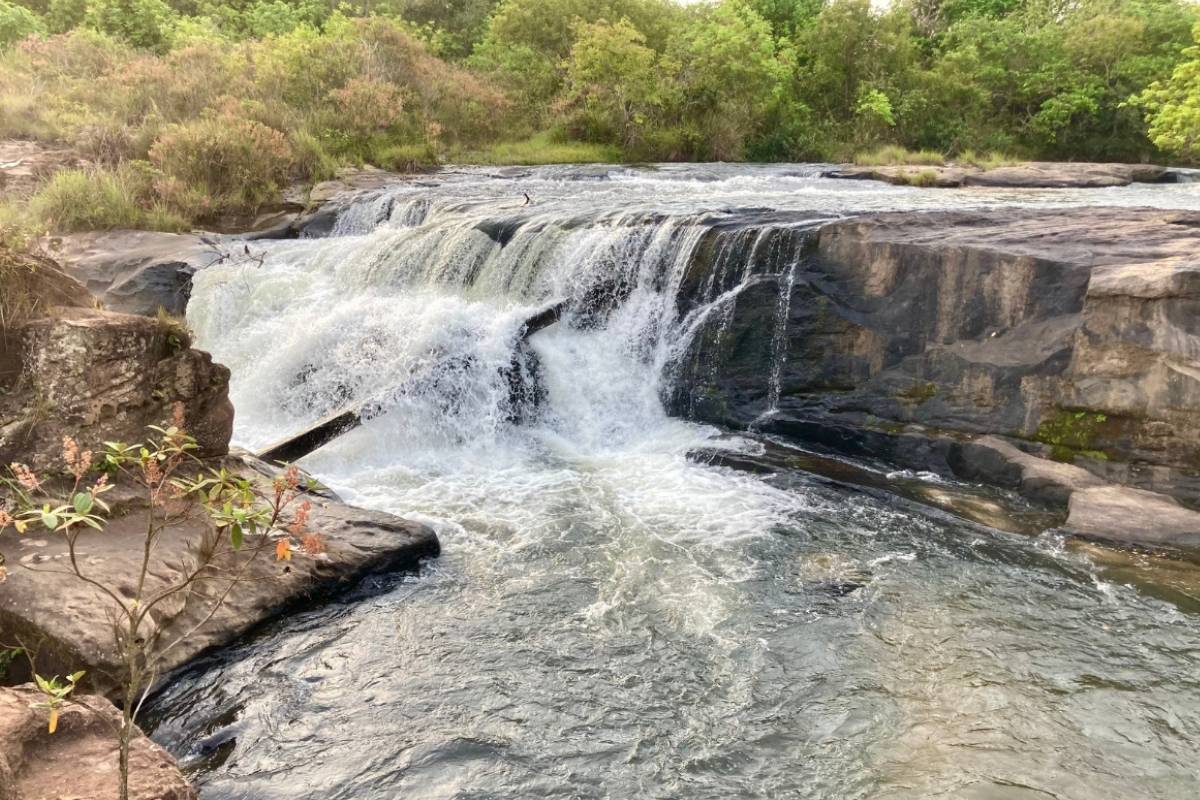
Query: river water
(610, 619)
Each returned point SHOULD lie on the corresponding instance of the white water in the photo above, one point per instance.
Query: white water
(609, 619)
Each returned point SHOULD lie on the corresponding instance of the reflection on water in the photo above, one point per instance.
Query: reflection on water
(611, 618)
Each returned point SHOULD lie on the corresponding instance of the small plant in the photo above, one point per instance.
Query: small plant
(56, 693)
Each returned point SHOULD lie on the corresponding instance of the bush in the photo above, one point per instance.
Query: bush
(16, 23)
(237, 162)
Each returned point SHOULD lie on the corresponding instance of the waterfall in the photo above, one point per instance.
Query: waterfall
(421, 300)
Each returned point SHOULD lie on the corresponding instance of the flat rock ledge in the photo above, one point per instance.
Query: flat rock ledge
(42, 602)
(1097, 510)
(1028, 175)
(78, 761)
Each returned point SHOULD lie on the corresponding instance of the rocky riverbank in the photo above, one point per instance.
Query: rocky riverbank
(1068, 333)
(71, 368)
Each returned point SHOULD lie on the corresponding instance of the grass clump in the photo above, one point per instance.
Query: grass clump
(539, 149)
(895, 156)
(90, 200)
(990, 160)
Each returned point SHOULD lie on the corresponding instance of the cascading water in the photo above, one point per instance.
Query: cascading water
(610, 619)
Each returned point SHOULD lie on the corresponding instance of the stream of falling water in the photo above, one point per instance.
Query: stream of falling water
(608, 618)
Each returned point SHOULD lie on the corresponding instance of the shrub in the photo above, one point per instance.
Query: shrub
(87, 200)
(237, 162)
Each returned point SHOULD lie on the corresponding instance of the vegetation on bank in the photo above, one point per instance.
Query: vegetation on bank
(196, 110)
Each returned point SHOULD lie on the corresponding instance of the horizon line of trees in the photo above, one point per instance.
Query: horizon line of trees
(207, 106)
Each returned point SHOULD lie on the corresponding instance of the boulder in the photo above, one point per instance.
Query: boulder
(42, 600)
(100, 376)
(1123, 514)
(80, 760)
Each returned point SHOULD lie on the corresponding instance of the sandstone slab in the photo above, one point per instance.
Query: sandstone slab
(1027, 175)
(42, 600)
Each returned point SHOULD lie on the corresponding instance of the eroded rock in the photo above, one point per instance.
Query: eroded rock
(100, 376)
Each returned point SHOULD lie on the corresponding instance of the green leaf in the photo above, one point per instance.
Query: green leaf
(235, 536)
(75, 676)
(49, 520)
(82, 502)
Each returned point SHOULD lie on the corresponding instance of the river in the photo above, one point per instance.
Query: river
(610, 619)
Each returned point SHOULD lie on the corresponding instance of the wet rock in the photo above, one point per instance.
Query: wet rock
(73, 618)
(1123, 514)
(1032, 175)
(911, 335)
(80, 759)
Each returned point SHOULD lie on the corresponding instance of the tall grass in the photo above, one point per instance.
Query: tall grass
(894, 156)
(91, 200)
(539, 149)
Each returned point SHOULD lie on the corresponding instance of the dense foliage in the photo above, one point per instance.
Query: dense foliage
(200, 108)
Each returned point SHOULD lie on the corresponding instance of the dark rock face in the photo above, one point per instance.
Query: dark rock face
(137, 272)
(1072, 331)
(80, 759)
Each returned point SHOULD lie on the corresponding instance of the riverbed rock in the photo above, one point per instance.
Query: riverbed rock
(100, 376)
(40, 600)
(1125, 514)
(1072, 330)
(79, 761)
(139, 272)
(1030, 175)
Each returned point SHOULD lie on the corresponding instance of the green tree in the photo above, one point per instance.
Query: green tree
(612, 82)
(729, 76)
(1173, 106)
(148, 24)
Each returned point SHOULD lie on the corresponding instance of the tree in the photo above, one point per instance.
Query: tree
(612, 82)
(1173, 106)
(148, 24)
(729, 75)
